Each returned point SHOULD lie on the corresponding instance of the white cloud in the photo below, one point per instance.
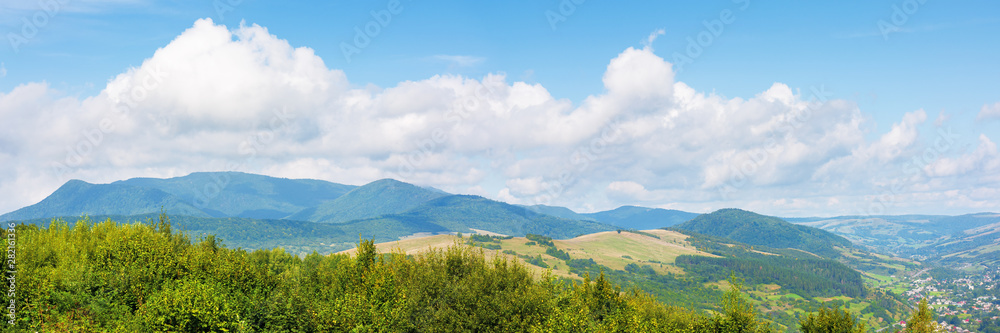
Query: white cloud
(3, 70)
(989, 112)
(243, 99)
(984, 160)
(525, 186)
(629, 191)
(648, 43)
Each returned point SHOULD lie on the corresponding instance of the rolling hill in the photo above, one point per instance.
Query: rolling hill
(632, 217)
(201, 194)
(237, 194)
(681, 269)
(77, 198)
(755, 229)
(388, 209)
(964, 241)
(557, 211)
(462, 213)
(381, 197)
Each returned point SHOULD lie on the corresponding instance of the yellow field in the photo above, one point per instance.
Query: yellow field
(611, 249)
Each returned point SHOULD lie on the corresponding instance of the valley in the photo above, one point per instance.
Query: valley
(875, 267)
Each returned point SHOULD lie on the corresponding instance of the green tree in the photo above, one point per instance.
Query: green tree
(738, 315)
(190, 306)
(922, 320)
(831, 321)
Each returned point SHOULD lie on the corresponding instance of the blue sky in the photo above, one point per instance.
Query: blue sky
(936, 69)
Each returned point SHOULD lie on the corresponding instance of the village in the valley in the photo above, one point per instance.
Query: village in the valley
(961, 304)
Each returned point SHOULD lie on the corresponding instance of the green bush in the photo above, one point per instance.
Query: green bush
(110, 277)
(190, 306)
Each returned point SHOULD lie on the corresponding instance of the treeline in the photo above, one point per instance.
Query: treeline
(806, 277)
(99, 277)
(794, 270)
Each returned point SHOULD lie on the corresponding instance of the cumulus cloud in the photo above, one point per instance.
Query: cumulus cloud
(985, 160)
(243, 99)
(989, 112)
(629, 191)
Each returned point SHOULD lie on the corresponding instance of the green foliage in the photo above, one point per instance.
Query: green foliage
(737, 313)
(537, 261)
(557, 253)
(140, 278)
(807, 277)
(831, 321)
(922, 319)
(541, 240)
(755, 229)
(990, 325)
(190, 305)
(488, 238)
(581, 263)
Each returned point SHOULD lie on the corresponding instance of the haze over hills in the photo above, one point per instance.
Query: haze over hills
(201, 194)
(381, 197)
(456, 212)
(632, 217)
(957, 241)
(389, 209)
(76, 198)
(256, 211)
(238, 194)
(784, 260)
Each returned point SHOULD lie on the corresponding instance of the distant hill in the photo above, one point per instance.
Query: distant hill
(955, 241)
(200, 194)
(755, 229)
(557, 211)
(382, 197)
(77, 198)
(240, 194)
(632, 217)
(464, 212)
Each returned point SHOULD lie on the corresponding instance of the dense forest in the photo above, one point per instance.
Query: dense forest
(143, 277)
(755, 229)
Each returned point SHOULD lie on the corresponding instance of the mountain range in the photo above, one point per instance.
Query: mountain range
(260, 211)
